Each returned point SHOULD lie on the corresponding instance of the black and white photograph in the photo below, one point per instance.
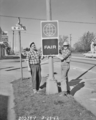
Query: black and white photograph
(47, 59)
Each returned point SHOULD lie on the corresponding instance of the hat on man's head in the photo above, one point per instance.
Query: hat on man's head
(65, 43)
(31, 44)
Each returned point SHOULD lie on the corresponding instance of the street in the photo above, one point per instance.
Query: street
(82, 77)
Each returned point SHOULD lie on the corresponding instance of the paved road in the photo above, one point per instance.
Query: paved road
(82, 79)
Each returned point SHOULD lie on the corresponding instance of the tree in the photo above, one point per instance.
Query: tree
(8, 50)
(0, 31)
(83, 45)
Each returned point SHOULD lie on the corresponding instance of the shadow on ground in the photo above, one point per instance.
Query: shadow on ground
(12, 57)
(15, 68)
(9, 57)
(77, 84)
(6, 68)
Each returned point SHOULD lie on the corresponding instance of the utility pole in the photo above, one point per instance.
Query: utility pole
(19, 27)
(49, 17)
(20, 51)
(48, 10)
(51, 83)
(70, 41)
(13, 43)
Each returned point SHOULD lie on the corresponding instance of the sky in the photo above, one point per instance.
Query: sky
(34, 11)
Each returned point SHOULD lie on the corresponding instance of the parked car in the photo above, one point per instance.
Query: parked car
(90, 54)
(94, 55)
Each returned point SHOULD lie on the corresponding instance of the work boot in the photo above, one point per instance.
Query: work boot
(64, 93)
(40, 91)
(68, 92)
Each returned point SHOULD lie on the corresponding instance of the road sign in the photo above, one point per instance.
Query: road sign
(4, 38)
(49, 37)
(19, 28)
(50, 47)
(49, 29)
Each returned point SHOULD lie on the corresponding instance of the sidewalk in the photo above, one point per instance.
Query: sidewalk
(87, 95)
(8, 73)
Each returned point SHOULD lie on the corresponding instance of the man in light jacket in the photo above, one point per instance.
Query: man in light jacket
(65, 66)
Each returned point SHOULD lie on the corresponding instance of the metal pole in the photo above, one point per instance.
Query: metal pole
(70, 40)
(20, 50)
(13, 43)
(51, 82)
(49, 17)
(48, 10)
(20, 55)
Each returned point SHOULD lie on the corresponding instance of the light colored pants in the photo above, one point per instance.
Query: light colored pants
(64, 78)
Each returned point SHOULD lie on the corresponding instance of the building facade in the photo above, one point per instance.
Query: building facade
(3, 43)
(2, 50)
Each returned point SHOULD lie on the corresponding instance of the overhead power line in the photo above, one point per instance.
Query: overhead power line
(21, 17)
(78, 22)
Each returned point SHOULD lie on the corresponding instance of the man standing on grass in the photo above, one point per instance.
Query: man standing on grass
(33, 62)
(65, 66)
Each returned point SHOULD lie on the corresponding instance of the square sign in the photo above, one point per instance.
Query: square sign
(50, 46)
(49, 36)
(49, 29)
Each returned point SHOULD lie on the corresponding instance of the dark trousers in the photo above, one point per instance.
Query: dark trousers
(36, 75)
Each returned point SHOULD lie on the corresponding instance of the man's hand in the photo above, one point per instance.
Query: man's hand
(59, 56)
(42, 57)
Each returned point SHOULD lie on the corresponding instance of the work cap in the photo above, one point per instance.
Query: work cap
(65, 43)
(31, 43)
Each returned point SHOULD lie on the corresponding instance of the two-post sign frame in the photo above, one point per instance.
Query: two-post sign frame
(49, 37)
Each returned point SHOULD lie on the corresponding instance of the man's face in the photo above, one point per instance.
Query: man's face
(65, 47)
(33, 47)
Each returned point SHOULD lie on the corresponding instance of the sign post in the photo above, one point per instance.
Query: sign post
(50, 46)
(13, 42)
(20, 54)
(19, 27)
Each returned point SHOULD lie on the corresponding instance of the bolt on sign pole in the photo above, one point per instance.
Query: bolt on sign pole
(51, 86)
(20, 52)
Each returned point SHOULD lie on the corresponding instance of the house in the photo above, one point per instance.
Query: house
(2, 50)
(2, 43)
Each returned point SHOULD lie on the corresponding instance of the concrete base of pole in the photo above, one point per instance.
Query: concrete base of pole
(51, 86)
